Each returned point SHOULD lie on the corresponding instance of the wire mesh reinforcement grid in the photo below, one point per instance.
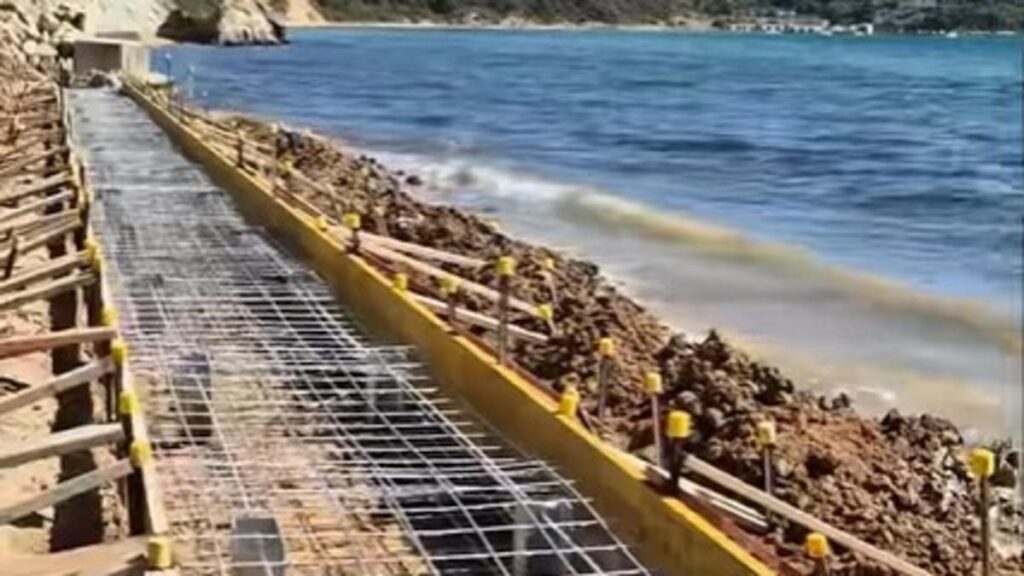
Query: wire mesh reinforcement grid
(286, 442)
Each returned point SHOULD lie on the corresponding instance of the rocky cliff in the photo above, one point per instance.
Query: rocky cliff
(225, 22)
(29, 27)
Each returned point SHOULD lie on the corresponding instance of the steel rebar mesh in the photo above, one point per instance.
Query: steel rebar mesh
(283, 436)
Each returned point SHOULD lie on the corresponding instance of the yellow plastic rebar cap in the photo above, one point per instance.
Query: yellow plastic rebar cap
(400, 282)
(127, 403)
(506, 266)
(108, 316)
(606, 347)
(981, 462)
(548, 264)
(545, 312)
(678, 425)
(449, 284)
(569, 401)
(118, 351)
(140, 453)
(766, 435)
(352, 221)
(816, 545)
(652, 383)
(159, 553)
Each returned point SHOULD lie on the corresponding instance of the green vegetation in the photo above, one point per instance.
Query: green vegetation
(907, 15)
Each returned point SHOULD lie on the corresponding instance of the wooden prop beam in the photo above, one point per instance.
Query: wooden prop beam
(19, 345)
(423, 251)
(392, 243)
(19, 166)
(58, 384)
(66, 490)
(435, 272)
(481, 320)
(120, 558)
(36, 205)
(44, 271)
(40, 238)
(46, 290)
(27, 142)
(776, 506)
(64, 442)
(36, 187)
(44, 222)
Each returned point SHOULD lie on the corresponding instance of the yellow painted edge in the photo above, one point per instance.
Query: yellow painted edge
(721, 557)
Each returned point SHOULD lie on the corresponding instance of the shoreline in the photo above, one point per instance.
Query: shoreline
(722, 387)
(701, 26)
(875, 388)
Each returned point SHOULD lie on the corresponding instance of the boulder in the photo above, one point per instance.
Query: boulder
(230, 23)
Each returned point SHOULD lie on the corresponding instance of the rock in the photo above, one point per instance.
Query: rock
(230, 23)
(1005, 476)
(820, 463)
(413, 180)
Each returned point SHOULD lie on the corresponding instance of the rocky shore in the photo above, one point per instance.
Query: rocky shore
(899, 482)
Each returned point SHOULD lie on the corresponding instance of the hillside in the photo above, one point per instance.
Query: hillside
(904, 15)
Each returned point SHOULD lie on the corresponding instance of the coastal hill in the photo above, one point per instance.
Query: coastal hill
(893, 15)
(33, 25)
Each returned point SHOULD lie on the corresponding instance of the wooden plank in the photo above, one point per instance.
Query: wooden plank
(25, 142)
(46, 270)
(42, 223)
(36, 187)
(43, 237)
(36, 205)
(423, 251)
(18, 345)
(477, 319)
(98, 559)
(65, 490)
(64, 442)
(794, 514)
(46, 290)
(58, 384)
(19, 166)
(435, 272)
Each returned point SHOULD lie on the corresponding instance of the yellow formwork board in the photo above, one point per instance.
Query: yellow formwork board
(665, 533)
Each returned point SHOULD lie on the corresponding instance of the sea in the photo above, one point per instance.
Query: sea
(848, 208)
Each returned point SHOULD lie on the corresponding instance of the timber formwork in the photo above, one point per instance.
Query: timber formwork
(56, 317)
(283, 436)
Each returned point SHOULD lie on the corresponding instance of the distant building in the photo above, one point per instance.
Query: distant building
(786, 24)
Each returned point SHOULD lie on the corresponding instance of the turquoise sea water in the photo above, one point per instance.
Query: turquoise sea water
(848, 207)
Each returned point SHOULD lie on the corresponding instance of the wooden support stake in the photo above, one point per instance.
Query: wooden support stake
(64, 442)
(66, 490)
(12, 257)
(57, 385)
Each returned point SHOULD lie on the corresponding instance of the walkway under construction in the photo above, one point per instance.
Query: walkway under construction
(286, 439)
